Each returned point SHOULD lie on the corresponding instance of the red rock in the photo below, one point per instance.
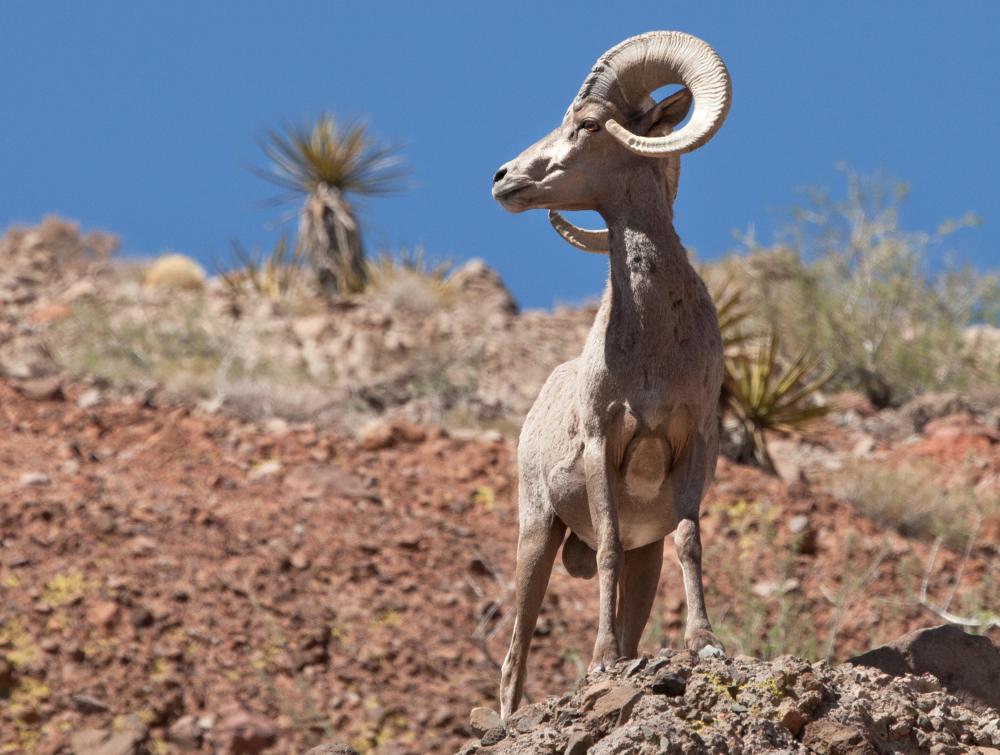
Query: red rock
(240, 732)
(185, 732)
(376, 435)
(52, 312)
(42, 389)
(483, 719)
(103, 615)
(617, 705)
(827, 737)
(791, 717)
(409, 432)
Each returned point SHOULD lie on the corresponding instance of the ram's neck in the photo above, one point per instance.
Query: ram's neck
(650, 274)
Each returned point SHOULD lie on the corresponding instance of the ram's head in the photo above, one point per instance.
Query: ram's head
(614, 127)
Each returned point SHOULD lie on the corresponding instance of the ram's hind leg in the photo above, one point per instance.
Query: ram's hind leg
(687, 539)
(639, 580)
(537, 545)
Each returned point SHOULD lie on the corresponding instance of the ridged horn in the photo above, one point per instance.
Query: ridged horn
(639, 66)
(595, 242)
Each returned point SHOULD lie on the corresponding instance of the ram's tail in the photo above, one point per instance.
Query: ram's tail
(579, 558)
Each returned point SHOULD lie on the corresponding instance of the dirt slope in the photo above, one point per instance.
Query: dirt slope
(198, 572)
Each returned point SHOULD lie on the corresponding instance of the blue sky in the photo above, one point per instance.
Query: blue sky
(144, 118)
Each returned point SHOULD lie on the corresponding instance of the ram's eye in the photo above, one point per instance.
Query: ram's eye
(590, 125)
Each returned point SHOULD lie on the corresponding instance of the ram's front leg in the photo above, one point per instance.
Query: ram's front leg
(604, 515)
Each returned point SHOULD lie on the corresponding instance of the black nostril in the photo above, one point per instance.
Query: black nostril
(499, 175)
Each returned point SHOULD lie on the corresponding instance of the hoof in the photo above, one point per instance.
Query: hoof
(704, 643)
(605, 657)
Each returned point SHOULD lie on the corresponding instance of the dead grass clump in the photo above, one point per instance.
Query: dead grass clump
(275, 275)
(409, 281)
(913, 503)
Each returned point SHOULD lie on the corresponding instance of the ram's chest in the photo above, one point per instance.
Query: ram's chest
(644, 444)
(644, 467)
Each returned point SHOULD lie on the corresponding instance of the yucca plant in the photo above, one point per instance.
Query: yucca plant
(733, 312)
(325, 163)
(764, 395)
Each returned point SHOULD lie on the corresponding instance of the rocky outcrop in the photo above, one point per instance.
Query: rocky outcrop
(40, 264)
(679, 702)
(967, 665)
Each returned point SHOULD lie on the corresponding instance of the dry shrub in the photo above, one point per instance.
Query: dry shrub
(913, 503)
(175, 272)
(887, 308)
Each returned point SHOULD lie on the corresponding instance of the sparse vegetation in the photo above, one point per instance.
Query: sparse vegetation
(766, 396)
(885, 307)
(326, 163)
(772, 618)
(914, 503)
(274, 275)
(387, 268)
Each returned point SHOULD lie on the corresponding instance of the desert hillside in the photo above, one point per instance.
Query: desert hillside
(239, 521)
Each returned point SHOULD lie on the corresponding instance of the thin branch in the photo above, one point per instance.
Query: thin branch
(942, 613)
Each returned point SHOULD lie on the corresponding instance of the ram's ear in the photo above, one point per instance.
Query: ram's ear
(664, 117)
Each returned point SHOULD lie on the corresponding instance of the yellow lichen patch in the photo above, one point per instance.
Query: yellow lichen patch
(64, 589)
(721, 685)
(21, 647)
(264, 657)
(486, 497)
(97, 644)
(146, 715)
(362, 744)
(57, 622)
(28, 695)
(28, 736)
(388, 618)
(771, 686)
(161, 670)
(340, 635)
(9, 582)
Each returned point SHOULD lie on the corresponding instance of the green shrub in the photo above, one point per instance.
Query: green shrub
(887, 308)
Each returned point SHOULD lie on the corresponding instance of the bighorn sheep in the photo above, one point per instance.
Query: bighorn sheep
(622, 442)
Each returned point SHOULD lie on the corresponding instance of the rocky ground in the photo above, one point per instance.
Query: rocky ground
(244, 571)
(678, 702)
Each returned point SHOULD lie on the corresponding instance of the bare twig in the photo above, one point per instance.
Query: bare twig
(973, 534)
(941, 612)
(480, 636)
(848, 594)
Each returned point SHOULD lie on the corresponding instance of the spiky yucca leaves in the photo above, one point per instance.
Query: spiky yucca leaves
(273, 274)
(326, 162)
(413, 263)
(733, 312)
(764, 395)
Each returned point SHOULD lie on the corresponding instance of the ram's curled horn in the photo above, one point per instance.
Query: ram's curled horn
(581, 238)
(639, 66)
